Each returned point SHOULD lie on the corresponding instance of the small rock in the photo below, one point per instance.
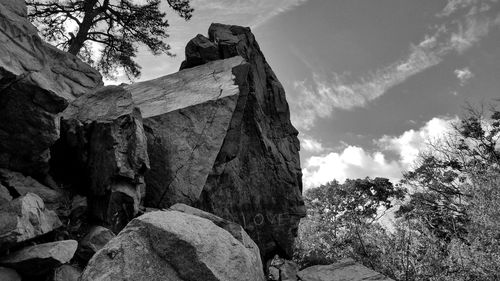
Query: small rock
(40, 259)
(67, 272)
(274, 274)
(24, 218)
(24, 185)
(95, 240)
(288, 271)
(7, 274)
(4, 195)
(346, 270)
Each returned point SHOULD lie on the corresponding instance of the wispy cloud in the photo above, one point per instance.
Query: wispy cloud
(325, 92)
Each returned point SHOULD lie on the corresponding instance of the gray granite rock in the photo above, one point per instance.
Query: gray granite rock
(25, 218)
(174, 246)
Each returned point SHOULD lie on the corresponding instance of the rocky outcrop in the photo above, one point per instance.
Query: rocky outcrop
(220, 138)
(346, 270)
(25, 218)
(36, 83)
(40, 259)
(176, 246)
(102, 153)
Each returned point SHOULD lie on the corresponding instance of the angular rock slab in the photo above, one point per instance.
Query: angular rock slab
(36, 83)
(174, 246)
(103, 154)
(186, 117)
(40, 259)
(23, 185)
(25, 218)
(345, 270)
(256, 180)
(5, 196)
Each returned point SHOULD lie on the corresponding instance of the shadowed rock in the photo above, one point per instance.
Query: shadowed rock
(102, 153)
(40, 259)
(36, 83)
(22, 185)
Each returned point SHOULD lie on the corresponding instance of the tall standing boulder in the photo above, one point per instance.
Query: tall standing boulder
(102, 153)
(36, 83)
(220, 138)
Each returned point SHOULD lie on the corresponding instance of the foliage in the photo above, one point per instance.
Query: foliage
(118, 26)
(339, 215)
(448, 228)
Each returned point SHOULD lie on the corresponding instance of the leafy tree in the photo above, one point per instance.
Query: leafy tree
(340, 216)
(118, 26)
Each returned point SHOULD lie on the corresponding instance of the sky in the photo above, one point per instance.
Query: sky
(368, 82)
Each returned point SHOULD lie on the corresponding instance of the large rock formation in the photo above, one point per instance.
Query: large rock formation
(102, 153)
(36, 82)
(220, 138)
(175, 246)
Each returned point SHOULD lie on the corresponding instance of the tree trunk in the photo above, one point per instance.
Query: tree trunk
(76, 43)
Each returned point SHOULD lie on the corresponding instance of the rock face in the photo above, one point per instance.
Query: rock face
(346, 270)
(103, 153)
(175, 246)
(220, 138)
(36, 82)
(24, 218)
(40, 259)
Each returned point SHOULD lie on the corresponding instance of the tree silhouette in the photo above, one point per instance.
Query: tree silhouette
(118, 26)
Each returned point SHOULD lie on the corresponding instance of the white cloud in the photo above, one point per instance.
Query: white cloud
(310, 145)
(464, 75)
(352, 162)
(326, 92)
(355, 162)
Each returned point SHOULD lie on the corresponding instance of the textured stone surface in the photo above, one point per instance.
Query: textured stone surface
(186, 116)
(36, 82)
(103, 154)
(234, 229)
(23, 185)
(345, 270)
(8, 274)
(170, 245)
(288, 271)
(220, 139)
(24, 218)
(67, 272)
(41, 258)
(256, 180)
(95, 240)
